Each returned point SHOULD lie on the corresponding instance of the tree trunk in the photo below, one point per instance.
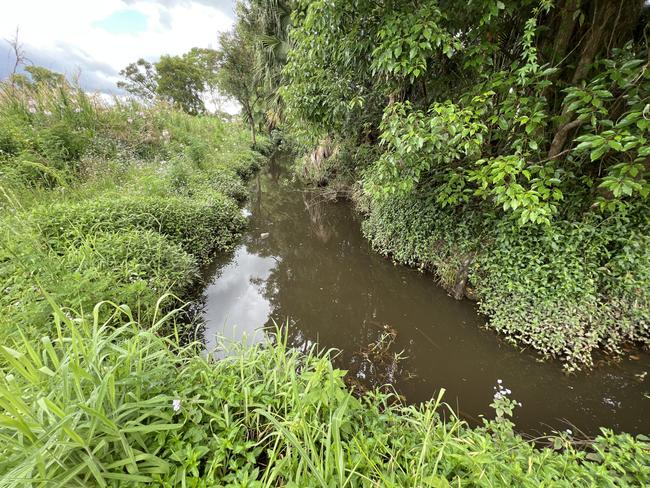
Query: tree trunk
(458, 290)
(253, 132)
(602, 22)
(603, 18)
(561, 136)
(565, 30)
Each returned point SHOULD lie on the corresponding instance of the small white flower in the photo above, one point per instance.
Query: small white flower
(499, 381)
(568, 431)
(77, 110)
(129, 120)
(48, 113)
(32, 110)
(176, 405)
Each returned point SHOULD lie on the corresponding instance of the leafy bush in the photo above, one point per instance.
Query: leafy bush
(564, 290)
(200, 227)
(132, 267)
(144, 255)
(246, 165)
(418, 234)
(187, 181)
(94, 405)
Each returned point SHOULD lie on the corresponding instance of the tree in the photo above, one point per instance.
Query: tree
(20, 57)
(237, 74)
(206, 60)
(510, 105)
(267, 24)
(45, 77)
(180, 80)
(141, 80)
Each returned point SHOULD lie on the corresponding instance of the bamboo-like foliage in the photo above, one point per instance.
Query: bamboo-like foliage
(80, 408)
(101, 405)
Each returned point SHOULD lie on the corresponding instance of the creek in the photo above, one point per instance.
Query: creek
(304, 262)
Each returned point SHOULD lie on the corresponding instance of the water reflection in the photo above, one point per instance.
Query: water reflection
(306, 261)
(236, 298)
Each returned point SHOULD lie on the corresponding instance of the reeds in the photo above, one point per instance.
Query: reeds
(100, 405)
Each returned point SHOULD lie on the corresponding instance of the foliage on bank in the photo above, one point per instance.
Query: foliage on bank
(565, 290)
(506, 149)
(95, 404)
(110, 201)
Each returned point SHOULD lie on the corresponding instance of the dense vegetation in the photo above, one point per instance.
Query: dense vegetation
(91, 404)
(502, 145)
(109, 202)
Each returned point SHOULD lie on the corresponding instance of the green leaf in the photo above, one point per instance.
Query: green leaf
(598, 152)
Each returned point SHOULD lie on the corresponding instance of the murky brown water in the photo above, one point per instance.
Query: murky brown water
(306, 261)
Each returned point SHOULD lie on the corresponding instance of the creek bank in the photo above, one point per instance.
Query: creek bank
(317, 271)
(269, 416)
(553, 289)
(128, 216)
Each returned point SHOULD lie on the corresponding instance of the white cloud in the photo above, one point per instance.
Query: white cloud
(63, 34)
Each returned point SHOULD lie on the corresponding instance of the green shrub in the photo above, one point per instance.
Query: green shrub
(418, 234)
(246, 165)
(565, 290)
(143, 255)
(132, 267)
(93, 405)
(184, 180)
(200, 227)
(570, 288)
(226, 181)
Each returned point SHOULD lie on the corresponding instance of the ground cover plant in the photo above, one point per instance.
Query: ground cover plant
(113, 403)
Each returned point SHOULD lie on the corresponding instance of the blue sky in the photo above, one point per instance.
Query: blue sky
(95, 39)
(127, 21)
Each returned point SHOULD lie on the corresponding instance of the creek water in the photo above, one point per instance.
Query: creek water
(304, 262)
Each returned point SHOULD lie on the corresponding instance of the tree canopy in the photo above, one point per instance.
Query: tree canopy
(180, 80)
(521, 104)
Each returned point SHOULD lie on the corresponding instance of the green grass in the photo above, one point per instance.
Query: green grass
(93, 404)
(114, 201)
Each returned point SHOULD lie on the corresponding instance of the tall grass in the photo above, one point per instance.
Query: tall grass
(109, 201)
(99, 405)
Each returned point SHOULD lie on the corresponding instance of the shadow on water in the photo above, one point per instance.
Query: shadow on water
(305, 260)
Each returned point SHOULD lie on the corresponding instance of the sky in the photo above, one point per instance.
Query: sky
(95, 39)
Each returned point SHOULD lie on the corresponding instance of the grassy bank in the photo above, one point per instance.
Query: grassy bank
(98, 405)
(110, 201)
